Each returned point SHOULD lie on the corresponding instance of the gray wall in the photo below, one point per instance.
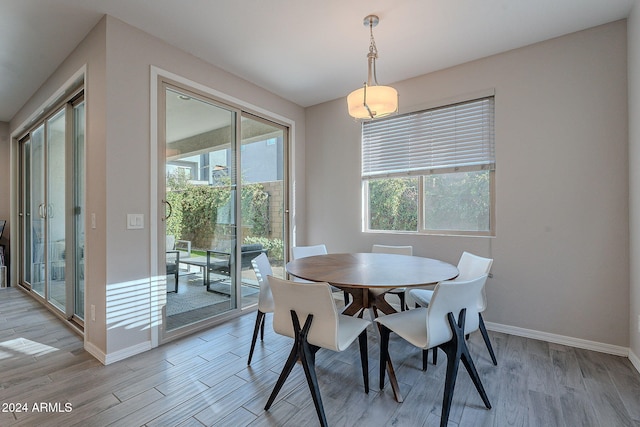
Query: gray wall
(562, 189)
(561, 257)
(91, 54)
(128, 135)
(119, 264)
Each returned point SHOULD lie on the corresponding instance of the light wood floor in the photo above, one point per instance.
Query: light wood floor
(204, 380)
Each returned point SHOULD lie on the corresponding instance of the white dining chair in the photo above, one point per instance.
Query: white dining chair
(307, 251)
(452, 313)
(262, 268)
(470, 266)
(398, 250)
(307, 312)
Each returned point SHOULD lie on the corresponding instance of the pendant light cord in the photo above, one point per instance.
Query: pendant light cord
(372, 56)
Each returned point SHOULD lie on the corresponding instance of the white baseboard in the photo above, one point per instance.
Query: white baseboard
(128, 352)
(107, 359)
(561, 339)
(635, 360)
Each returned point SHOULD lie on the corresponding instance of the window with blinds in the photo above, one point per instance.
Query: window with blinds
(446, 139)
(431, 171)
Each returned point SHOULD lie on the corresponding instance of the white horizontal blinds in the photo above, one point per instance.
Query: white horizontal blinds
(458, 137)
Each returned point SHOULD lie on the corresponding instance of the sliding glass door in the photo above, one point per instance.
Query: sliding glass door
(35, 195)
(199, 204)
(264, 198)
(51, 209)
(78, 220)
(223, 203)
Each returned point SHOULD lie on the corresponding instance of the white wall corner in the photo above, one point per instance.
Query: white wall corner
(95, 352)
(564, 340)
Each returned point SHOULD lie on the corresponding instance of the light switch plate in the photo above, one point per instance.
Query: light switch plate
(135, 221)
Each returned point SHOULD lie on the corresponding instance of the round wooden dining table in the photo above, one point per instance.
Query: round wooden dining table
(366, 277)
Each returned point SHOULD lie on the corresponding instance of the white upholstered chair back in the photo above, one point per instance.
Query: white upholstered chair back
(306, 251)
(396, 250)
(451, 297)
(305, 299)
(387, 249)
(471, 266)
(262, 268)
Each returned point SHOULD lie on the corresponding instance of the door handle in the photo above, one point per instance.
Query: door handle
(170, 210)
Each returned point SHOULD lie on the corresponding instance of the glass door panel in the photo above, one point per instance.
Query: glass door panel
(79, 230)
(55, 210)
(25, 260)
(51, 189)
(263, 200)
(37, 212)
(200, 196)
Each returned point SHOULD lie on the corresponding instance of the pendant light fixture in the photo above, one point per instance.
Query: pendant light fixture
(372, 101)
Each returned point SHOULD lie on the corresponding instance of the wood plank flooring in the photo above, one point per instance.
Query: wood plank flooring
(203, 379)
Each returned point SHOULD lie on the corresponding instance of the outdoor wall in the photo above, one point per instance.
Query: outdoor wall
(561, 250)
(276, 202)
(633, 28)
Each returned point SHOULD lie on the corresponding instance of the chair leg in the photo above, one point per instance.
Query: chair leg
(259, 320)
(425, 353)
(175, 283)
(434, 356)
(286, 370)
(308, 358)
(364, 359)
(403, 305)
(262, 328)
(309, 366)
(346, 298)
(304, 352)
(485, 336)
(456, 350)
(473, 373)
(384, 352)
(453, 360)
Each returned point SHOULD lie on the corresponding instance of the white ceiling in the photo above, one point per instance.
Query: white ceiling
(305, 51)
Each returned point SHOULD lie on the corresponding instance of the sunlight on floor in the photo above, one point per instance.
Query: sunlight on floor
(24, 347)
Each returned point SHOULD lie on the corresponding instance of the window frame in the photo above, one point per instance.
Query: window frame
(421, 228)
